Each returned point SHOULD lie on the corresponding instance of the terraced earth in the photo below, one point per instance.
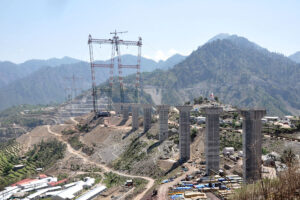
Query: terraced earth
(8, 158)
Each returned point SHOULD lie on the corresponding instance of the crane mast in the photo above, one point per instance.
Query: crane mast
(115, 42)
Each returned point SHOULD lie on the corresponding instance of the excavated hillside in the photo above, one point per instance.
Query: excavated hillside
(111, 141)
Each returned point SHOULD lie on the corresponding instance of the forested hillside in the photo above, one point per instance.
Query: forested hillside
(239, 72)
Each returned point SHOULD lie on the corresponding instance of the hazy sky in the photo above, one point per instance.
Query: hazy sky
(43, 29)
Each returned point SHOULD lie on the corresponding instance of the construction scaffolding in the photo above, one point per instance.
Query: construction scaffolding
(115, 42)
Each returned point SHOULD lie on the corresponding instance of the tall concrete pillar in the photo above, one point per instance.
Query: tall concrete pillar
(212, 139)
(184, 132)
(135, 116)
(125, 111)
(252, 140)
(147, 117)
(163, 112)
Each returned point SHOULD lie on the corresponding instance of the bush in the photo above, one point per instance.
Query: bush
(62, 176)
(285, 186)
(68, 132)
(88, 150)
(7, 169)
(194, 132)
(83, 128)
(288, 157)
(264, 151)
(112, 179)
(75, 143)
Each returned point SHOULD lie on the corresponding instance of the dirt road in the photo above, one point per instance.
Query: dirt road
(73, 120)
(105, 168)
(163, 189)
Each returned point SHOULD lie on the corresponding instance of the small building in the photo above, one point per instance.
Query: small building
(17, 167)
(69, 193)
(228, 151)
(8, 192)
(23, 182)
(289, 117)
(271, 118)
(39, 193)
(88, 182)
(41, 176)
(92, 193)
(39, 169)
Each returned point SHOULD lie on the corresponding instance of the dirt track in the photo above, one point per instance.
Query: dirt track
(105, 168)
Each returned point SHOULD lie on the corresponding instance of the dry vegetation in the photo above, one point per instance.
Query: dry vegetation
(285, 187)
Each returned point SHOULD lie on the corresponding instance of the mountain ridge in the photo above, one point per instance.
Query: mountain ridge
(295, 57)
(47, 84)
(239, 74)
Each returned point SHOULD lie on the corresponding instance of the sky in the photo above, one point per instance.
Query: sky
(42, 29)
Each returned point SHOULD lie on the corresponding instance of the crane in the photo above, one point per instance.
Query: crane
(115, 42)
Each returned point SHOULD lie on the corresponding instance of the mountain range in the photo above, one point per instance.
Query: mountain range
(10, 72)
(236, 70)
(46, 81)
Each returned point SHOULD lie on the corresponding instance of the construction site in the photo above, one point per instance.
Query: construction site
(139, 150)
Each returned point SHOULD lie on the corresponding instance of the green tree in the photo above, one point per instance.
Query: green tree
(7, 169)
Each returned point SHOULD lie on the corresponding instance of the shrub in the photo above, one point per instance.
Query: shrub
(75, 143)
(285, 186)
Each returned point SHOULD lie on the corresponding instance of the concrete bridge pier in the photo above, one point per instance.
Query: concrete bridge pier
(212, 139)
(252, 143)
(135, 116)
(184, 132)
(163, 112)
(147, 108)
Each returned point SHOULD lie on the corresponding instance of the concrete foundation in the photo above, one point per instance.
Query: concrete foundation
(163, 112)
(184, 132)
(125, 111)
(212, 139)
(135, 116)
(147, 117)
(252, 139)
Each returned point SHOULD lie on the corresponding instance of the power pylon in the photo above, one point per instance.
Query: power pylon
(116, 42)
